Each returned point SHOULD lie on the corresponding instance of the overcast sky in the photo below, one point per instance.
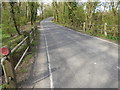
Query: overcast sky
(49, 1)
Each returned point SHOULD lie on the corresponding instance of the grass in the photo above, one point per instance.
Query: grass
(12, 42)
(3, 86)
(25, 66)
(32, 50)
(24, 70)
(26, 63)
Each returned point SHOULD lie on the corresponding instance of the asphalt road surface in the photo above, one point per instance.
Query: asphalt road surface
(68, 59)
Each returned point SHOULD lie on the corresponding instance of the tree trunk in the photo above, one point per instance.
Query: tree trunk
(13, 17)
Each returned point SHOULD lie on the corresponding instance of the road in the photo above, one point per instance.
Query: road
(68, 59)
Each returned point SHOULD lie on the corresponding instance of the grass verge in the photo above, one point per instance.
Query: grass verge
(23, 70)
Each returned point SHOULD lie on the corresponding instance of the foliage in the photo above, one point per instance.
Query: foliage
(33, 6)
(94, 14)
(3, 86)
(48, 11)
(15, 18)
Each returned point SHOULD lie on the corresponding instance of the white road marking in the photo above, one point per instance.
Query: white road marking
(49, 66)
(51, 79)
(95, 63)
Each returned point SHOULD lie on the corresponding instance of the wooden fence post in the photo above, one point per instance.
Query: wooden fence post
(36, 30)
(33, 33)
(26, 34)
(101, 31)
(84, 26)
(114, 32)
(105, 29)
(9, 71)
(36, 27)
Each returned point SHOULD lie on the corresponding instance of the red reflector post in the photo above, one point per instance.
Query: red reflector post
(4, 51)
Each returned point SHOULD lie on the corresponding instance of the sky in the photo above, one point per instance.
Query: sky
(49, 1)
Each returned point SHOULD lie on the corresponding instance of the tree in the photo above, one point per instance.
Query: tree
(33, 9)
(12, 4)
(55, 11)
(89, 12)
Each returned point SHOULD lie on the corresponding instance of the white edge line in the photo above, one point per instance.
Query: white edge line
(49, 66)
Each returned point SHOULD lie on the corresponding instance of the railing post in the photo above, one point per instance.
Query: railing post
(101, 31)
(33, 33)
(84, 26)
(26, 34)
(114, 32)
(9, 71)
(36, 30)
(105, 29)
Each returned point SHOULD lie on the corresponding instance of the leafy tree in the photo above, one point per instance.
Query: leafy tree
(13, 13)
(33, 9)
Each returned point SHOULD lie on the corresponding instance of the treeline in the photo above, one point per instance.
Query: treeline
(46, 10)
(17, 14)
(96, 18)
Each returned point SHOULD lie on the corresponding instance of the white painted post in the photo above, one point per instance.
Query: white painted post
(84, 26)
(105, 29)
